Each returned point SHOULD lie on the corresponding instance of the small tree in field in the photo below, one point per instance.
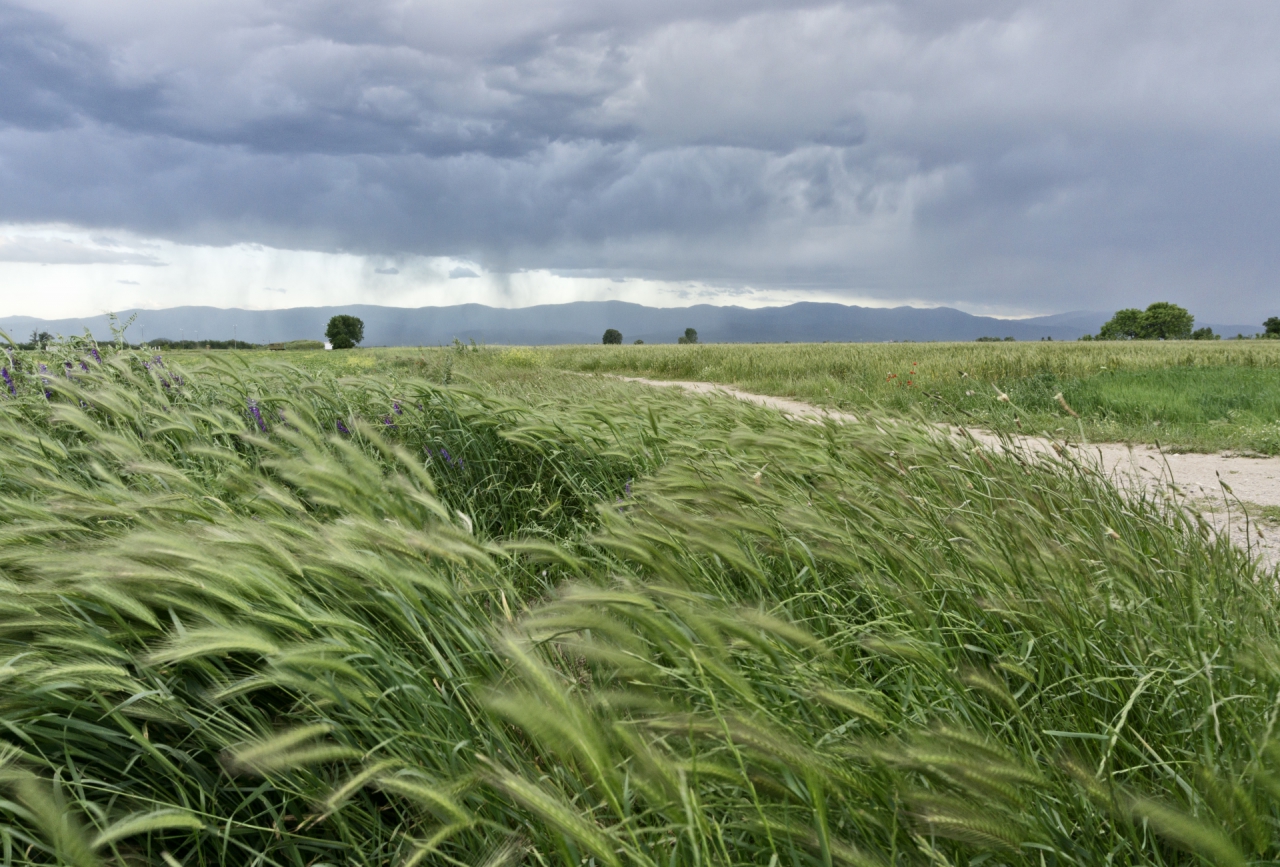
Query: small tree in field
(344, 332)
(1273, 326)
(690, 336)
(612, 336)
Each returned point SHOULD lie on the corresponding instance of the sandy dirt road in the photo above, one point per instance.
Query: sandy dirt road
(1223, 486)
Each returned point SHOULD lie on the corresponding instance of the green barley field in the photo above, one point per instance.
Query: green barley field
(1187, 396)
(466, 607)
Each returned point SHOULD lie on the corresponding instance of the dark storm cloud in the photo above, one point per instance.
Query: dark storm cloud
(51, 81)
(1035, 155)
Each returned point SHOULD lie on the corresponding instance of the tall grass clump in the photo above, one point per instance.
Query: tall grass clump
(253, 615)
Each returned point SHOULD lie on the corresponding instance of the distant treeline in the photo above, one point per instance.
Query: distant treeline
(44, 341)
(166, 343)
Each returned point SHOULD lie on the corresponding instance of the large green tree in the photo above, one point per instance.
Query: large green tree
(1125, 325)
(1273, 326)
(1160, 321)
(344, 331)
(1165, 321)
(612, 336)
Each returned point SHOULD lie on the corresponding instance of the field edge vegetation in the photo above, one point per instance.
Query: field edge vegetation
(1184, 395)
(337, 612)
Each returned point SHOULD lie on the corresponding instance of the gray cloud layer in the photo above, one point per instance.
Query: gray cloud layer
(1037, 155)
(55, 251)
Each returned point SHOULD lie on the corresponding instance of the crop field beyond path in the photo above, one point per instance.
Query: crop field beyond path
(1199, 396)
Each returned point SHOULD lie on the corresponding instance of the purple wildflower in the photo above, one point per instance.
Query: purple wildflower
(84, 367)
(388, 421)
(157, 361)
(257, 415)
(96, 356)
(627, 488)
(147, 365)
(66, 368)
(395, 405)
(48, 395)
(8, 380)
(43, 368)
(444, 455)
(342, 428)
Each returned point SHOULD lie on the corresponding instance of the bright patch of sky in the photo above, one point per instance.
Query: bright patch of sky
(78, 274)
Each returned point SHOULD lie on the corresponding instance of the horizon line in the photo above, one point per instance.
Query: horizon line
(531, 306)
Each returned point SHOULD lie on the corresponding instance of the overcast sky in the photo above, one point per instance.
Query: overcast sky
(1002, 157)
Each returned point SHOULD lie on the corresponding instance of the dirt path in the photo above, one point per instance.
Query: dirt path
(1199, 477)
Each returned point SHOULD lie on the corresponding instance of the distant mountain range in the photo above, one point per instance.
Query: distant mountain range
(582, 322)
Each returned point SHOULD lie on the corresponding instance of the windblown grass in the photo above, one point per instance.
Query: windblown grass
(1190, 395)
(610, 626)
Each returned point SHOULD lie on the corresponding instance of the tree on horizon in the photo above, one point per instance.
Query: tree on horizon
(344, 332)
(1160, 321)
